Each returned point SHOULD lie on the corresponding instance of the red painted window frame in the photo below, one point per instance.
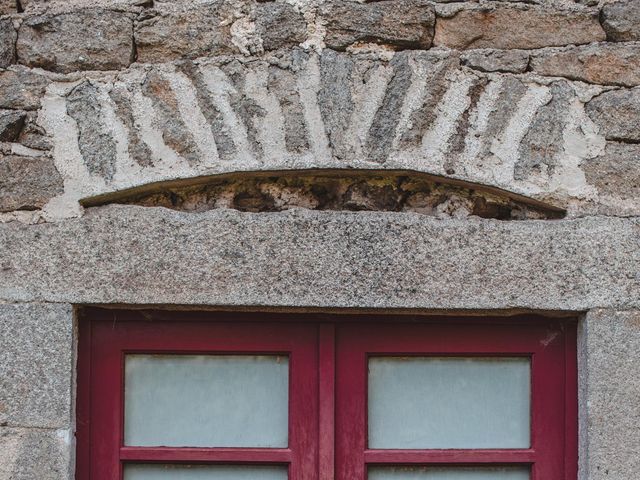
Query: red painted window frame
(551, 347)
(328, 364)
(101, 450)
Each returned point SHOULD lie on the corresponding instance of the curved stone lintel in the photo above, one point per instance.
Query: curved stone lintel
(302, 258)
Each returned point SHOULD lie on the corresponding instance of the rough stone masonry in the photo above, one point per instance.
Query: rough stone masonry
(225, 130)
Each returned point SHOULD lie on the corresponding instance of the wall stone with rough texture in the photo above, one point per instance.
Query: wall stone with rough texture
(37, 354)
(621, 20)
(36, 365)
(610, 378)
(36, 453)
(129, 92)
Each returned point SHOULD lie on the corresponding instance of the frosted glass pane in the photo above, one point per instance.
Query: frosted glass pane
(206, 400)
(449, 402)
(203, 472)
(448, 473)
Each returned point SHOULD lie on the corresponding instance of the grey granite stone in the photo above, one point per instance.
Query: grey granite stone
(36, 365)
(610, 395)
(604, 64)
(279, 25)
(189, 32)
(283, 83)
(617, 114)
(543, 143)
(8, 37)
(33, 135)
(175, 133)
(401, 23)
(616, 173)
(11, 122)
(222, 134)
(98, 149)
(89, 39)
(27, 183)
(507, 26)
(621, 20)
(130, 254)
(29, 454)
(7, 7)
(487, 60)
(21, 88)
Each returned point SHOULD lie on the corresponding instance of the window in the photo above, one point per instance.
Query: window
(228, 396)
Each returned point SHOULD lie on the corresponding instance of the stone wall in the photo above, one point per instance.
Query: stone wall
(539, 98)
(395, 155)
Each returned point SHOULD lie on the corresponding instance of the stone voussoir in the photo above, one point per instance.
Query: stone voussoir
(517, 27)
(85, 39)
(600, 63)
(395, 23)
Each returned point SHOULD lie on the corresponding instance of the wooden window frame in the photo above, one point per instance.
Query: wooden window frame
(328, 384)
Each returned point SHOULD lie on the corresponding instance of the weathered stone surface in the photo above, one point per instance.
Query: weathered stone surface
(616, 173)
(33, 135)
(621, 20)
(513, 61)
(604, 64)
(8, 37)
(279, 25)
(35, 453)
(88, 39)
(21, 88)
(36, 365)
(617, 113)
(27, 183)
(506, 27)
(11, 122)
(7, 7)
(399, 24)
(610, 387)
(126, 254)
(187, 32)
